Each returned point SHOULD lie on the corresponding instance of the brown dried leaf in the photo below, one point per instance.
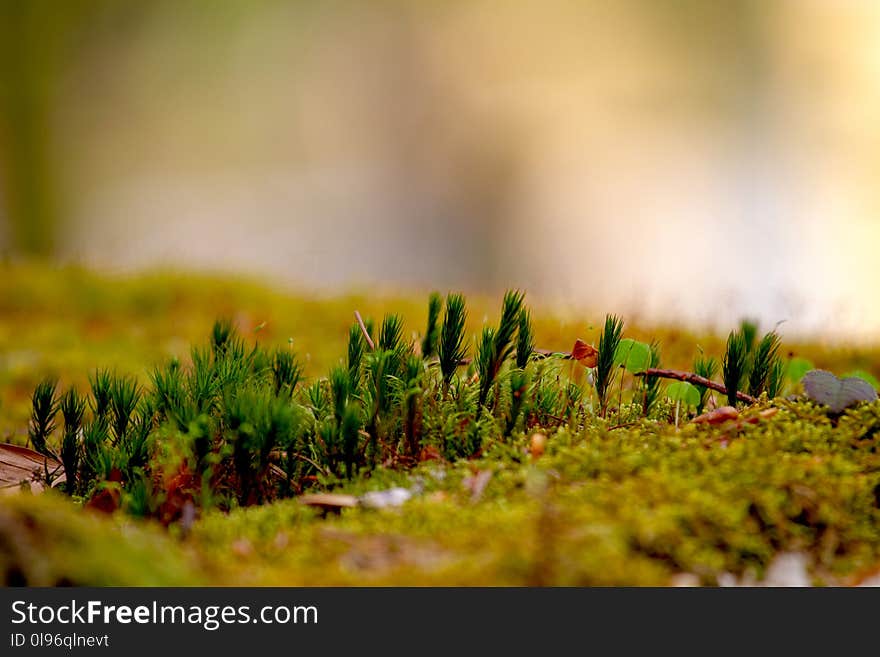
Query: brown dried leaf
(766, 414)
(586, 354)
(718, 416)
(20, 464)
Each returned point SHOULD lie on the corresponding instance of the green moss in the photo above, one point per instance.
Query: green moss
(629, 506)
(622, 500)
(48, 541)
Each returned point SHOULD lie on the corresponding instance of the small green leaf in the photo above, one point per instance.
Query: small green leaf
(796, 369)
(684, 392)
(864, 376)
(635, 356)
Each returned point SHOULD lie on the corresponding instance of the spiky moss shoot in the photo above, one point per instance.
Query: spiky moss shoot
(776, 380)
(72, 408)
(609, 340)
(391, 333)
(286, 372)
(452, 349)
(409, 393)
(44, 407)
(124, 397)
(525, 339)
(432, 332)
(356, 349)
(651, 384)
(492, 354)
(766, 363)
(706, 368)
(734, 365)
(99, 382)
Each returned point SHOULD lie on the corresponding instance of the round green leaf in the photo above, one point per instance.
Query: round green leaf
(635, 356)
(796, 369)
(684, 392)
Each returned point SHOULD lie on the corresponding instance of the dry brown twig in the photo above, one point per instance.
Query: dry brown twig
(690, 377)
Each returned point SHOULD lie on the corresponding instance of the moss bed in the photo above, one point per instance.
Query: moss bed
(637, 502)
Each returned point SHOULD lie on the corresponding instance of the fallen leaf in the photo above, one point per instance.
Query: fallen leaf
(20, 464)
(837, 394)
(766, 414)
(718, 416)
(586, 354)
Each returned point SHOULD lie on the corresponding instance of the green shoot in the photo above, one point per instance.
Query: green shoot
(525, 339)
(776, 379)
(432, 333)
(706, 368)
(93, 441)
(72, 407)
(221, 333)
(652, 383)
(608, 343)
(485, 358)
(286, 372)
(492, 356)
(100, 384)
(734, 364)
(764, 363)
(412, 404)
(340, 389)
(350, 435)
(379, 389)
(356, 348)
(452, 349)
(391, 333)
(124, 395)
(44, 408)
(519, 383)
(748, 328)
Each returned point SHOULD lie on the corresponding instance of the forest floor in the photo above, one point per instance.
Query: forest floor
(791, 498)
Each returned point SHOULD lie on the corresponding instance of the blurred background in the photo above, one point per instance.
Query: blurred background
(682, 160)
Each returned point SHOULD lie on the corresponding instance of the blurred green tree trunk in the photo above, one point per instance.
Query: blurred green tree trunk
(26, 75)
(37, 38)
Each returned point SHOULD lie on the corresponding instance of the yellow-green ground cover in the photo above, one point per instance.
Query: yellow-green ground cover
(635, 504)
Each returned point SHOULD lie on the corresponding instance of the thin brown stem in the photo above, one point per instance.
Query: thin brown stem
(277, 454)
(360, 321)
(546, 353)
(696, 379)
